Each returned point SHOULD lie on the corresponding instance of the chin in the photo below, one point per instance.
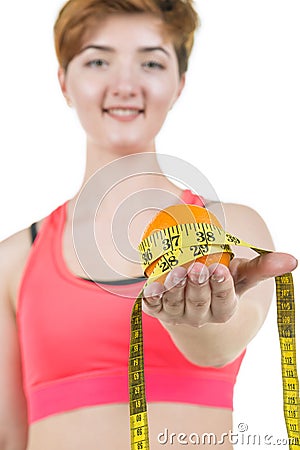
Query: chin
(131, 147)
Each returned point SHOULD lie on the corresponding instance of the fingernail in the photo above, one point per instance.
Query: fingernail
(179, 282)
(198, 278)
(194, 276)
(218, 278)
(202, 278)
(157, 297)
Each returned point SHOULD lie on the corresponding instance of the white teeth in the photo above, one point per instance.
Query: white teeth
(123, 112)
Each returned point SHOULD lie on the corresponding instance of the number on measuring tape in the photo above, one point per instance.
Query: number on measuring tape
(199, 250)
(205, 237)
(147, 256)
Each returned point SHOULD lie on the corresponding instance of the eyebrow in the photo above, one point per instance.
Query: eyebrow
(111, 50)
(97, 47)
(153, 49)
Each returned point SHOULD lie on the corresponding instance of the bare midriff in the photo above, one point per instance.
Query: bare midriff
(171, 425)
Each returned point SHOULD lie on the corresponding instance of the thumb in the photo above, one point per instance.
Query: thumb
(248, 273)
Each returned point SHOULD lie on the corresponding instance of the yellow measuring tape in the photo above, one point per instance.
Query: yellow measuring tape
(185, 243)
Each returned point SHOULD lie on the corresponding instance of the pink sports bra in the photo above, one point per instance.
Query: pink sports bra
(74, 338)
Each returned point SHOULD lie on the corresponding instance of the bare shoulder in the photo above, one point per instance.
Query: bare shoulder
(245, 223)
(13, 247)
(14, 252)
(13, 413)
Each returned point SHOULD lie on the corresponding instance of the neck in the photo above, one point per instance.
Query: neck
(111, 178)
(99, 157)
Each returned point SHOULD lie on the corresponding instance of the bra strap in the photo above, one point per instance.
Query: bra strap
(33, 232)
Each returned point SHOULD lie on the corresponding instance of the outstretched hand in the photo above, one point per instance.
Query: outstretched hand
(200, 294)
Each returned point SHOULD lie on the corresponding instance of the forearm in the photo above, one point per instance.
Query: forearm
(217, 344)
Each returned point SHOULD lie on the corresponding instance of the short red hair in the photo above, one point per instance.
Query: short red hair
(77, 17)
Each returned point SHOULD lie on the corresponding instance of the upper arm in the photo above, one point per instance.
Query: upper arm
(246, 224)
(13, 415)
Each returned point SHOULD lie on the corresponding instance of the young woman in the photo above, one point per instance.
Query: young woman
(64, 314)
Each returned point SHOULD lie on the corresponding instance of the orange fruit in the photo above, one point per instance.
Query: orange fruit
(184, 213)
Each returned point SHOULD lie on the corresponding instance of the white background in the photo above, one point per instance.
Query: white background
(237, 121)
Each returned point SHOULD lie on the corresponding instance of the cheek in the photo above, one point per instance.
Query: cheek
(86, 101)
(164, 95)
(88, 93)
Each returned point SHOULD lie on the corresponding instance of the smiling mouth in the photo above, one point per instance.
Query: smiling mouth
(123, 112)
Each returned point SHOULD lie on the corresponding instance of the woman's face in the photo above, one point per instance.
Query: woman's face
(123, 82)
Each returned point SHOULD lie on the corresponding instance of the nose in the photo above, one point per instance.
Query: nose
(125, 83)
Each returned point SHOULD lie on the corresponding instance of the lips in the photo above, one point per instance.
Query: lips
(123, 113)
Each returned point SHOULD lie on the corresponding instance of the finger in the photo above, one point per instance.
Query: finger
(248, 273)
(176, 278)
(198, 294)
(174, 296)
(152, 296)
(223, 296)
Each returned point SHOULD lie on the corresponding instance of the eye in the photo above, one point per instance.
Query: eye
(97, 63)
(153, 65)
